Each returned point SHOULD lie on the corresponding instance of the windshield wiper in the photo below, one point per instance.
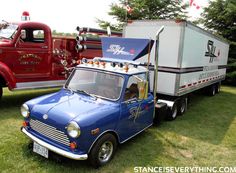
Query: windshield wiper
(86, 93)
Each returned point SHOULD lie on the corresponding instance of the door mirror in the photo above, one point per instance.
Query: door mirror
(143, 90)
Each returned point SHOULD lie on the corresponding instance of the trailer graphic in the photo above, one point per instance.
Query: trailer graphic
(211, 51)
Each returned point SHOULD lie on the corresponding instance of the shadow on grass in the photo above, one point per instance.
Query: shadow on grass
(207, 119)
(16, 98)
(135, 152)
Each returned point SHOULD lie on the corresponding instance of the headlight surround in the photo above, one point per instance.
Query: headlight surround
(73, 129)
(25, 111)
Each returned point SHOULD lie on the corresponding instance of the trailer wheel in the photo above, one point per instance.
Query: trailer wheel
(182, 107)
(212, 90)
(218, 88)
(172, 113)
(103, 150)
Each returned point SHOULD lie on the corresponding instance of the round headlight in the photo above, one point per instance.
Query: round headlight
(24, 110)
(73, 129)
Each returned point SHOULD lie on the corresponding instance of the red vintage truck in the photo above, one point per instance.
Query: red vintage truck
(30, 57)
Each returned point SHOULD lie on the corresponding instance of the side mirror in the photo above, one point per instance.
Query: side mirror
(143, 90)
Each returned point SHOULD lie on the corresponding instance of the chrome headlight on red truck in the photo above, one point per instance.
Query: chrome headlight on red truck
(25, 111)
(73, 129)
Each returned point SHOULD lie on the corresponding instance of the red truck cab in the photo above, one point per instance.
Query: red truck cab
(31, 58)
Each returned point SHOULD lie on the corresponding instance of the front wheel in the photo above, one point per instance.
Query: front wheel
(103, 150)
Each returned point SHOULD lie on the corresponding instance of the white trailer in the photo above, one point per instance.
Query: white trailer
(189, 59)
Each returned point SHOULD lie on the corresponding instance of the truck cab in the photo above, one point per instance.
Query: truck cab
(104, 102)
(30, 45)
(30, 57)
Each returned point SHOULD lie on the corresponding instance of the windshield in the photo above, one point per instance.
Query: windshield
(96, 83)
(7, 31)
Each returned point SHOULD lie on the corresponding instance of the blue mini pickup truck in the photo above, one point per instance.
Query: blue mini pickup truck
(105, 102)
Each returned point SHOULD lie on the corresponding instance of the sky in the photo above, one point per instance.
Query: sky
(66, 15)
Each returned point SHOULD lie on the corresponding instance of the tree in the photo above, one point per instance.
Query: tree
(144, 10)
(220, 17)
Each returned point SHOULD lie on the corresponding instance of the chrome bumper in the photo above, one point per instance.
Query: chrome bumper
(55, 149)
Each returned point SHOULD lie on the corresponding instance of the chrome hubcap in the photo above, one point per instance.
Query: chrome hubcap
(105, 151)
(174, 112)
(183, 106)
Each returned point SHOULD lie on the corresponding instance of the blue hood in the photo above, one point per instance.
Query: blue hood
(64, 106)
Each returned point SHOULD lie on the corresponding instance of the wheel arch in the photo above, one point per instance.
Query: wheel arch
(114, 133)
(6, 76)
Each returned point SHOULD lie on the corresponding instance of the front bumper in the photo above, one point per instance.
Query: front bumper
(55, 149)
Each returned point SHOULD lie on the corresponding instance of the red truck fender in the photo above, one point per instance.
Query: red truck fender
(7, 75)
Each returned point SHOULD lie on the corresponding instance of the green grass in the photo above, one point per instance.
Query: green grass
(204, 136)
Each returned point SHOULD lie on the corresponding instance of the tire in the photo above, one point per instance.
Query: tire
(182, 106)
(103, 150)
(212, 90)
(172, 115)
(218, 88)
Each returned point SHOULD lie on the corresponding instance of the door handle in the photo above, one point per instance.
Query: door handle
(44, 47)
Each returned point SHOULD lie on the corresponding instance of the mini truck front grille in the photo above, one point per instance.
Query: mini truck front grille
(49, 131)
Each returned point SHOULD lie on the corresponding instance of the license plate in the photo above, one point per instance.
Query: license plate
(40, 150)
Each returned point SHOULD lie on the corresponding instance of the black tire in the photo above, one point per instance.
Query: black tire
(107, 143)
(172, 114)
(182, 106)
(212, 90)
(218, 88)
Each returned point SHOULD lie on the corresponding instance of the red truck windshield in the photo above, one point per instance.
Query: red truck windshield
(7, 31)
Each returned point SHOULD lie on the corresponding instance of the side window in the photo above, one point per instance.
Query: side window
(132, 88)
(31, 35)
(38, 36)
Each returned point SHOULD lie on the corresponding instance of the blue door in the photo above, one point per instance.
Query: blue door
(136, 114)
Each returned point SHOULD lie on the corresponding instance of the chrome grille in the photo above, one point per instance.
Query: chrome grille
(49, 131)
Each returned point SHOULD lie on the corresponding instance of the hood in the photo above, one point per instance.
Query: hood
(64, 106)
(5, 42)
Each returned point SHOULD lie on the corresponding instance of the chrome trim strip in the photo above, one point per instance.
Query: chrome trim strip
(41, 84)
(55, 149)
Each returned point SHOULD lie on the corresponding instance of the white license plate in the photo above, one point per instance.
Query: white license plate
(40, 150)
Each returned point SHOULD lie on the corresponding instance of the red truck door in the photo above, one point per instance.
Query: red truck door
(33, 60)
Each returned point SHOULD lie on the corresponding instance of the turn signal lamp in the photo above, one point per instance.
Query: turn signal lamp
(96, 63)
(25, 123)
(126, 68)
(103, 64)
(90, 62)
(73, 145)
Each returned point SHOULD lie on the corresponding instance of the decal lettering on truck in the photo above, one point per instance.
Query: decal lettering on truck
(211, 51)
(30, 59)
(118, 50)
